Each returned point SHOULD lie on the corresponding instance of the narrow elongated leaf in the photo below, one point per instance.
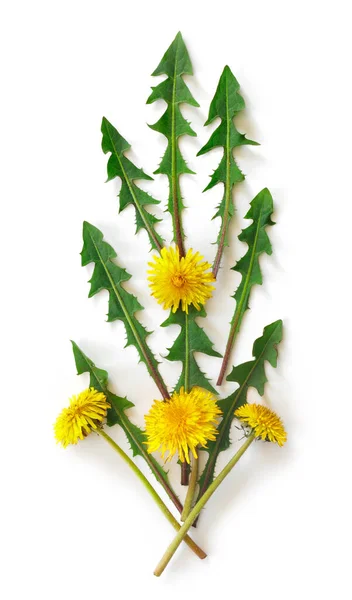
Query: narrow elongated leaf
(226, 104)
(249, 374)
(107, 275)
(120, 166)
(172, 124)
(192, 338)
(256, 237)
(116, 415)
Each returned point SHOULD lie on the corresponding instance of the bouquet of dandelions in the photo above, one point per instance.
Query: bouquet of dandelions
(191, 419)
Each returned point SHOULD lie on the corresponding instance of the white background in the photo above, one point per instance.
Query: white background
(75, 522)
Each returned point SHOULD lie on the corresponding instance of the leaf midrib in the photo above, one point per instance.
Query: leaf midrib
(137, 204)
(245, 293)
(178, 233)
(224, 222)
(228, 151)
(126, 314)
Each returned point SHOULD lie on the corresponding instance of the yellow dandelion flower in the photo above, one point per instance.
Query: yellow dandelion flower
(182, 423)
(264, 422)
(175, 280)
(85, 413)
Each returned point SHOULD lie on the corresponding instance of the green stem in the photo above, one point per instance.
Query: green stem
(151, 462)
(190, 543)
(191, 490)
(200, 504)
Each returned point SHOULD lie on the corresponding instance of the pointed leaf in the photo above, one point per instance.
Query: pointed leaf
(256, 238)
(176, 60)
(172, 124)
(258, 242)
(120, 166)
(227, 102)
(99, 380)
(192, 338)
(107, 275)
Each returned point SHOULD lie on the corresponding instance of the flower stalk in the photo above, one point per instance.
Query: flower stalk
(190, 543)
(200, 504)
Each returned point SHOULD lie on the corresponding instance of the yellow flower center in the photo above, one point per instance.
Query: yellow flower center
(178, 280)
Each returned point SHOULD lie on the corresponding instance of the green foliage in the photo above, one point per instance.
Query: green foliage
(258, 242)
(257, 239)
(192, 338)
(99, 381)
(107, 275)
(172, 124)
(120, 166)
(249, 374)
(116, 415)
(226, 104)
